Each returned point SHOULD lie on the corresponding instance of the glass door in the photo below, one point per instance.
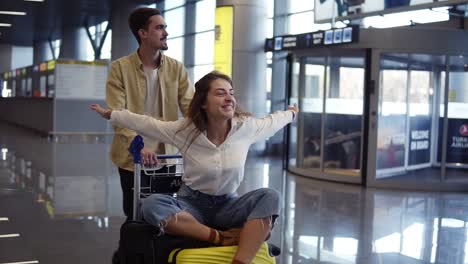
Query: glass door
(457, 121)
(343, 115)
(328, 133)
(408, 121)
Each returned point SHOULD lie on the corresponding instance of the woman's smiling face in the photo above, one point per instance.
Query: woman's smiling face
(220, 101)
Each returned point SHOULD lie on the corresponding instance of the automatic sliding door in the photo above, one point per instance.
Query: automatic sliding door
(343, 116)
(391, 140)
(311, 81)
(330, 92)
(408, 119)
(457, 125)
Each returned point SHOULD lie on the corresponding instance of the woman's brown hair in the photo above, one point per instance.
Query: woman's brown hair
(196, 115)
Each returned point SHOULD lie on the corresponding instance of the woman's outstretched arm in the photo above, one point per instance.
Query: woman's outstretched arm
(269, 125)
(105, 113)
(161, 131)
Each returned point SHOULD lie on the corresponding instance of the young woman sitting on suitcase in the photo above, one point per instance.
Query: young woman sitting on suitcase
(214, 140)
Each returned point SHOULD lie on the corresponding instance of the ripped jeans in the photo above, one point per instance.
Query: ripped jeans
(220, 212)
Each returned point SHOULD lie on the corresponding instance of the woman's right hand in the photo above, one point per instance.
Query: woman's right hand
(105, 113)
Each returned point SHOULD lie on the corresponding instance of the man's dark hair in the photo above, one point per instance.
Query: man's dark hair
(139, 19)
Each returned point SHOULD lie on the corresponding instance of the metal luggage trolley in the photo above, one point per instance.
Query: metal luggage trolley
(143, 241)
(160, 182)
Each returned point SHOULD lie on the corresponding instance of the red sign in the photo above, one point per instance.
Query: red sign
(464, 130)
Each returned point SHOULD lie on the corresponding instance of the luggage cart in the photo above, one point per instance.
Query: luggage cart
(160, 182)
(142, 243)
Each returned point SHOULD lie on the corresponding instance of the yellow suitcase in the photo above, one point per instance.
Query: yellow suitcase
(216, 255)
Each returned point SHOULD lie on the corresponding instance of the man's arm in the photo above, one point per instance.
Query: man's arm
(185, 92)
(116, 98)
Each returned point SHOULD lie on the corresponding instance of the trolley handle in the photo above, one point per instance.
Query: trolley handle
(169, 156)
(167, 160)
(135, 149)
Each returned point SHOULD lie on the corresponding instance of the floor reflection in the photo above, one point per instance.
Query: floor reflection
(332, 223)
(62, 197)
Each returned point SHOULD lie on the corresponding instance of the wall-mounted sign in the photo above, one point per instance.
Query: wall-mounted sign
(75, 80)
(43, 66)
(51, 65)
(314, 39)
(457, 141)
(224, 25)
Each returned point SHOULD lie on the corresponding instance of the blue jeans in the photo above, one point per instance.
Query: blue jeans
(221, 212)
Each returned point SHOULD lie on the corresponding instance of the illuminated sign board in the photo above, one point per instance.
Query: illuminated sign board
(316, 39)
(354, 9)
(223, 39)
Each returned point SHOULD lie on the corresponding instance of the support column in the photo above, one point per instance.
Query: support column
(248, 57)
(6, 54)
(279, 70)
(41, 52)
(123, 41)
(73, 44)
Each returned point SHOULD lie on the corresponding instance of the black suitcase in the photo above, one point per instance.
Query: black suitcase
(140, 242)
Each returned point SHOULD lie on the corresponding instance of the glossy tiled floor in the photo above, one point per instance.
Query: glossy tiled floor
(60, 202)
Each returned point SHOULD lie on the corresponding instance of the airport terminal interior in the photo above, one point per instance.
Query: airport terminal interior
(374, 169)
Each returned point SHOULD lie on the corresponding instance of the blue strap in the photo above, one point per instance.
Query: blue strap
(135, 149)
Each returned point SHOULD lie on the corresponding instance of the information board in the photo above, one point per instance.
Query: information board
(80, 80)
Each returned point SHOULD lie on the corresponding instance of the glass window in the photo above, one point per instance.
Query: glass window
(457, 137)
(204, 46)
(270, 28)
(301, 23)
(270, 8)
(344, 109)
(107, 46)
(304, 22)
(205, 15)
(89, 50)
(173, 3)
(175, 20)
(201, 70)
(301, 5)
(56, 46)
(407, 18)
(176, 49)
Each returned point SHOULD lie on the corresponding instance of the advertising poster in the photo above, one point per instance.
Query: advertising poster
(391, 142)
(419, 140)
(457, 141)
(223, 39)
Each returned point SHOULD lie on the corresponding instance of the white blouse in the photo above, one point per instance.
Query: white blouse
(211, 169)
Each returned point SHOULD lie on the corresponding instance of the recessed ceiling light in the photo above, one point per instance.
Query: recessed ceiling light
(25, 262)
(9, 235)
(5, 25)
(15, 13)
(34, 0)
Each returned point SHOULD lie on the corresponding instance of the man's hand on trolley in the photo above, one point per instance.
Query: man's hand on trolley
(148, 157)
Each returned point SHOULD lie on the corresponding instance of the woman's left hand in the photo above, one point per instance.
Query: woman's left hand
(103, 112)
(293, 108)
